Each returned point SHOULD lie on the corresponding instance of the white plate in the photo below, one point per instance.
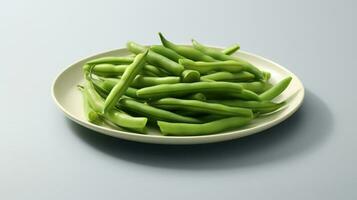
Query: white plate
(69, 100)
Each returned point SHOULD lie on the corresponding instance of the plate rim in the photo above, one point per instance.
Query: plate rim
(177, 140)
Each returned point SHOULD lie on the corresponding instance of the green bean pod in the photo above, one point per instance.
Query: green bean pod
(167, 90)
(154, 70)
(125, 81)
(185, 51)
(231, 50)
(200, 106)
(183, 129)
(115, 60)
(206, 67)
(157, 59)
(108, 70)
(154, 113)
(257, 87)
(256, 106)
(141, 81)
(89, 113)
(105, 85)
(276, 90)
(228, 76)
(168, 53)
(221, 56)
(189, 76)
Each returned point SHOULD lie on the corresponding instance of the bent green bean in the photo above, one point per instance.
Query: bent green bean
(185, 51)
(125, 81)
(111, 60)
(200, 106)
(183, 129)
(276, 90)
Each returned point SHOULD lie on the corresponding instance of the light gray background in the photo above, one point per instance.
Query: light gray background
(310, 156)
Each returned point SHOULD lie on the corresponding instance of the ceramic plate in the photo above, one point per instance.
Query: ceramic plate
(69, 100)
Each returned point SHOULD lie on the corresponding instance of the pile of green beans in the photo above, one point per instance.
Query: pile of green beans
(180, 89)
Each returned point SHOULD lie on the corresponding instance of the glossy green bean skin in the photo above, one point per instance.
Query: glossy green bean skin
(108, 70)
(185, 51)
(155, 113)
(168, 53)
(228, 76)
(200, 106)
(157, 59)
(189, 76)
(167, 90)
(184, 129)
(206, 67)
(221, 56)
(119, 89)
(231, 50)
(112, 60)
(276, 90)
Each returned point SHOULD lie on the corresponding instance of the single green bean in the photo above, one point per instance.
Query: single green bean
(167, 90)
(157, 59)
(154, 113)
(206, 67)
(189, 76)
(119, 89)
(111, 60)
(256, 106)
(200, 106)
(183, 129)
(89, 113)
(257, 87)
(221, 56)
(108, 70)
(276, 90)
(168, 53)
(231, 50)
(185, 51)
(246, 95)
(141, 81)
(228, 76)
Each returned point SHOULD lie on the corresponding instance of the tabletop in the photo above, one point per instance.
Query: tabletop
(312, 155)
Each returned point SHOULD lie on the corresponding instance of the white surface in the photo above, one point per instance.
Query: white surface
(312, 155)
(67, 97)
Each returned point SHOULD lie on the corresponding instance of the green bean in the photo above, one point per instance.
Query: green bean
(228, 76)
(206, 67)
(154, 113)
(119, 89)
(167, 90)
(114, 115)
(185, 51)
(257, 87)
(89, 113)
(154, 70)
(221, 56)
(108, 70)
(247, 95)
(183, 129)
(276, 90)
(105, 85)
(231, 50)
(111, 60)
(200, 106)
(142, 81)
(189, 76)
(168, 53)
(196, 96)
(157, 59)
(256, 106)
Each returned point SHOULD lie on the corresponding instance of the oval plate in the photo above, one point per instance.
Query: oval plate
(69, 100)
